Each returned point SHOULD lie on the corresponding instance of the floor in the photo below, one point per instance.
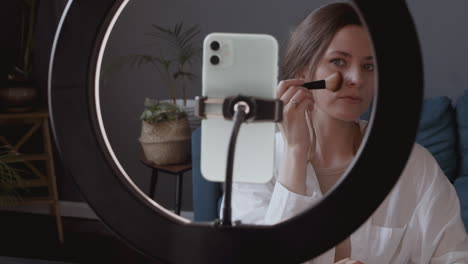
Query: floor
(32, 236)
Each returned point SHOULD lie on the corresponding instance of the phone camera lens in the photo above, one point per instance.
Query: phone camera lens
(214, 45)
(214, 60)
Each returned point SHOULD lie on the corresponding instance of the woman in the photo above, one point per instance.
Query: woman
(419, 222)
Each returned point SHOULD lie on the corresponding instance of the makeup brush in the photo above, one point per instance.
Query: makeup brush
(332, 83)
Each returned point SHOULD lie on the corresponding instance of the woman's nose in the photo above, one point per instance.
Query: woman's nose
(353, 77)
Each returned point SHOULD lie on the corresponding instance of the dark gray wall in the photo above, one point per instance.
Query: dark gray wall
(441, 27)
(10, 20)
(443, 32)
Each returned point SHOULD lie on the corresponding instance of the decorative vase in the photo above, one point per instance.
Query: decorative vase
(18, 96)
(166, 142)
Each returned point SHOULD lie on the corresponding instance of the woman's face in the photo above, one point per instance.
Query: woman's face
(349, 53)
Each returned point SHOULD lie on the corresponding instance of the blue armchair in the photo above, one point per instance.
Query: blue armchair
(206, 194)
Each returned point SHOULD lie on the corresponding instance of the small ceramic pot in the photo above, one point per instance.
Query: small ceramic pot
(166, 142)
(18, 97)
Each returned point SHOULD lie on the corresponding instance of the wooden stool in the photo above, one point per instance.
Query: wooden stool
(177, 169)
(39, 122)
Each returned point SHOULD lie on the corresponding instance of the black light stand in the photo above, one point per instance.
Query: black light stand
(76, 121)
(240, 109)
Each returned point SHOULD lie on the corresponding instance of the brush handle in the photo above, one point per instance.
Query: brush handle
(315, 85)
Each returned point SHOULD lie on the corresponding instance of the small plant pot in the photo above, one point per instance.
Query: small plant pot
(189, 108)
(18, 97)
(166, 142)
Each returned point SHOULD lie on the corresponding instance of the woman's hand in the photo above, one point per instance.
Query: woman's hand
(349, 261)
(294, 128)
(295, 132)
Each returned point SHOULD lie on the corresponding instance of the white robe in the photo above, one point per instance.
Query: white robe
(419, 221)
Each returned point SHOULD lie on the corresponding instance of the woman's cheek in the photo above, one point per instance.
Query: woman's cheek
(319, 95)
(324, 70)
(322, 98)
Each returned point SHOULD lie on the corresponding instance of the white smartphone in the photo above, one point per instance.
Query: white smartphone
(235, 64)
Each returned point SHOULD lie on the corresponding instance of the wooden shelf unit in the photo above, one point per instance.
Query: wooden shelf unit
(39, 124)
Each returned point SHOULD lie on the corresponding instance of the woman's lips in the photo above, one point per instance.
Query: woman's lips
(351, 99)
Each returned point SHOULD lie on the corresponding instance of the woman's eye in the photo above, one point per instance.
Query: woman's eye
(368, 67)
(338, 62)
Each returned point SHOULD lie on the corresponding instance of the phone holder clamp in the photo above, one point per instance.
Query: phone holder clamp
(256, 109)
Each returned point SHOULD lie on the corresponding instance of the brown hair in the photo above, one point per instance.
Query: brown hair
(310, 39)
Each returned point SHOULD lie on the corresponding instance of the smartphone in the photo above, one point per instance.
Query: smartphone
(235, 64)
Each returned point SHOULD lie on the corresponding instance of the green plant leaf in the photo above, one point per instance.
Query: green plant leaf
(183, 51)
(30, 3)
(10, 178)
(156, 111)
(178, 28)
(188, 36)
(164, 34)
(181, 74)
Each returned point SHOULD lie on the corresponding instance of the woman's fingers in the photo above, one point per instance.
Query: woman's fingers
(295, 95)
(297, 106)
(349, 261)
(305, 103)
(295, 99)
(301, 93)
(285, 84)
(288, 94)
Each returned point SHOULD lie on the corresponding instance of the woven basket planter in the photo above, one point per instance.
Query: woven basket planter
(167, 142)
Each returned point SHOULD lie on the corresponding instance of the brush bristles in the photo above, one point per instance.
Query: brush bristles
(333, 82)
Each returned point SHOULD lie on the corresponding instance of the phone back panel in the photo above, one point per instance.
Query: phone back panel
(248, 65)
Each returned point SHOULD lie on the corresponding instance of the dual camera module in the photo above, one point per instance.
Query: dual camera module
(214, 46)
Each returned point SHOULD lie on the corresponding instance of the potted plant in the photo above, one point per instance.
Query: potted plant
(177, 51)
(165, 134)
(18, 93)
(10, 180)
